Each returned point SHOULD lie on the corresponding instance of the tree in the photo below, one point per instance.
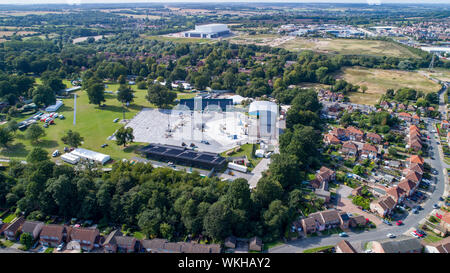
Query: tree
(392, 151)
(34, 132)
(96, 93)
(125, 94)
(12, 126)
(5, 136)
(266, 191)
(284, 168)
(124, 135)
(217, 221)
(43, 95)
(72, 138)
(166, 231)
(364, 88)
(275, 218)
(37, 155)
(27, 240)
(160, 95)
(359, 170)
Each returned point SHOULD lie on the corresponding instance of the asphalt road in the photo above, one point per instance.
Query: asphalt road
(358, 238)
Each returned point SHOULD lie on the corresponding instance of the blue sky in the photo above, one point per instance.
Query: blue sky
(209, 1)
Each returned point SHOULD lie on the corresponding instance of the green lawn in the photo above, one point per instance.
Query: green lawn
(93, 123)
(7, 243)
(246, 149)
(9, 218)
(139, 235)
(317, 249)
(49, 250)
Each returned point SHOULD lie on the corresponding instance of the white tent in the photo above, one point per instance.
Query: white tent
(54, 107)
(91, 155)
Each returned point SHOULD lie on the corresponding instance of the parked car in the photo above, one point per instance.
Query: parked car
(414, 234)
(399, 223)
(441, 199)
(55, 153)
(387, 222)
(61, 117)
(116, 120)
(104, 145)
(436, 206)
(390, 235)
(418, 234)
(204, 142)
(414, 210)
(343, 234)
(66, 149)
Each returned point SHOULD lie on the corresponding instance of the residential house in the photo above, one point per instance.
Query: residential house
(357, 221)
(126, 244)
(345, 247)
(331, 218)
(110, 244)
(331, 139)
(438, 248)
(230, 242)
(401, 106)
(349, 148)
(414, 159)
(86, 237)
(415, 119)
(355, 134)
(369, 151)
(326, 174)
(357, 191)
(397, 193)
(53, 235)
(445, 221)
(413, 176)
(375, 138)
(13, 228)
(340, 133)
(418, 168)
(323, 194)
(385, 105)
(445, 124)
(415, 144)
(153, 245)
(255, 244)
(309, 225)
(408, 186)
(33, 228)
(405, 116)
(401, 244)
(383, 206)
(411, 108)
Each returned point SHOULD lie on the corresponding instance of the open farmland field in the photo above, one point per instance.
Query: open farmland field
(140, 16)
(379, 80)
(7, 33)
(348, 47)
(25, 13)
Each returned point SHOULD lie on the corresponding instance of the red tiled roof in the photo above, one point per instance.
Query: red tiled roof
(370, 148)
(407, 185)
(416, 159)
(355, 130)
(404, 114)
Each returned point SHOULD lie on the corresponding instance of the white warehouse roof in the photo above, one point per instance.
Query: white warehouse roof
(210, 28)
(91, 155)
(262, 105)
(54, 107)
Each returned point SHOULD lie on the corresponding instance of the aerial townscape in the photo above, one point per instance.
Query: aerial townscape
(216, 127)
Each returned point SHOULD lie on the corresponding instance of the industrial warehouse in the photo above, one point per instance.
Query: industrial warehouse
(208, 31)
(183, 156)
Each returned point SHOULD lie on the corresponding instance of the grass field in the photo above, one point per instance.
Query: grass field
(246, 150)
(438, 73)
(349, 47)
(93, 123)
(379, 80)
